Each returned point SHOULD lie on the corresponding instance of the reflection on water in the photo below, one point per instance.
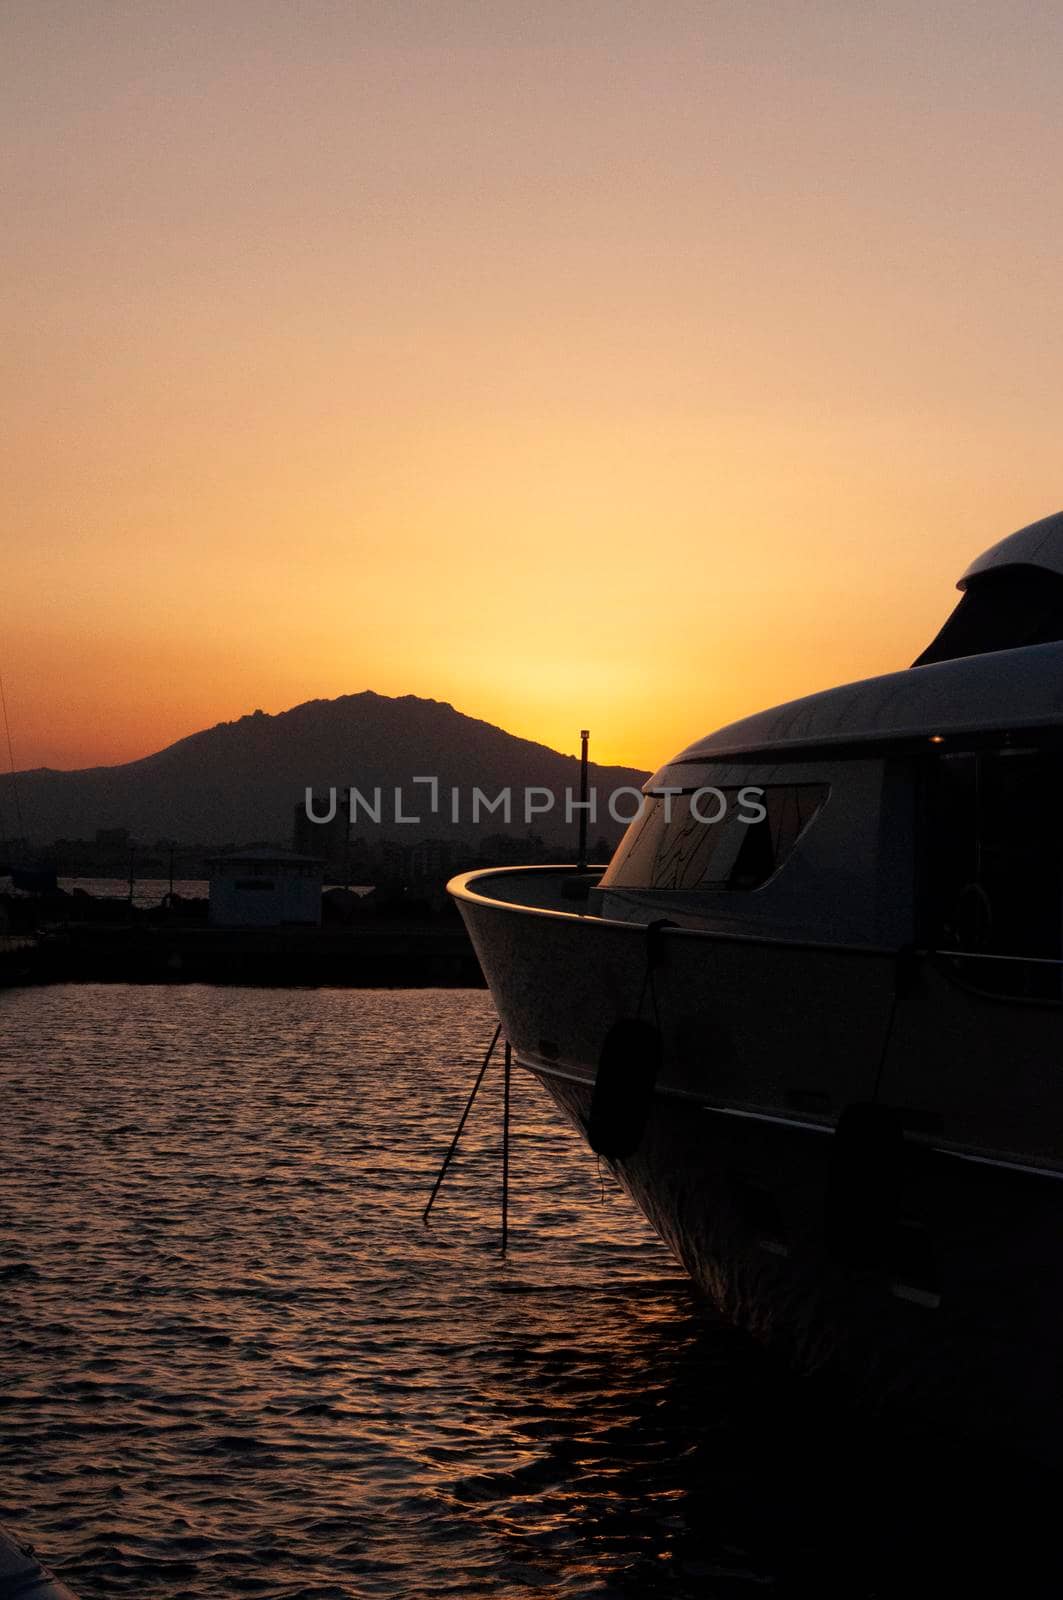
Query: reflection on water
(234, 1363)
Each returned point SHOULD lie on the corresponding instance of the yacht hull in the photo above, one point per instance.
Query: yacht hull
(840, 1230)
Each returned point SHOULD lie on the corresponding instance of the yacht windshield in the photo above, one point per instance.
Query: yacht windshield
(714, 838)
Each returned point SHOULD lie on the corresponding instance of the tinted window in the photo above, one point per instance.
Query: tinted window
(995, 864)
(724, 838)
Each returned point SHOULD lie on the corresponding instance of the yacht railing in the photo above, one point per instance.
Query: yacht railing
(995, 955)
(1038, 979)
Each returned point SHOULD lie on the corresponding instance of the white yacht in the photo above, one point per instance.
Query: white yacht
(812, 1011)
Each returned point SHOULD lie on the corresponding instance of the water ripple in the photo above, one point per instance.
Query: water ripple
(234, 1363)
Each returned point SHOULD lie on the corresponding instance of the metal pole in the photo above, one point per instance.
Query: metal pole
(584, 737)
(505, 1146)
(448, 1158)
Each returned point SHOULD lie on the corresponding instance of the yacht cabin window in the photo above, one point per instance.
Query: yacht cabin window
(675, 844)
(995, 866)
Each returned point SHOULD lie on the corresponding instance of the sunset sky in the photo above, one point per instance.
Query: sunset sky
(627, 365)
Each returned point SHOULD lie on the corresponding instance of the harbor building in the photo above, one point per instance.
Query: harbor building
(264, 888)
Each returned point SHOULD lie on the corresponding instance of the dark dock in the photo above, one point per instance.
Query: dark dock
(376, 957)
(80, 940)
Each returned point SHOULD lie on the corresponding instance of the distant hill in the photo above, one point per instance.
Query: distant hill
(240, 781)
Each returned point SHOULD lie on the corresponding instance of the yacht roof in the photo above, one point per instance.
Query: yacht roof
(1038, 545)
(1006, 689)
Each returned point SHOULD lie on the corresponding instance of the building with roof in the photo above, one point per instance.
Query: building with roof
(265, 888)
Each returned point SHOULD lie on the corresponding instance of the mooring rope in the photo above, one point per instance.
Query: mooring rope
(448, 1158)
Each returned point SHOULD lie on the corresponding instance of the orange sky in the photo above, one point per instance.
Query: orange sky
(611, 364)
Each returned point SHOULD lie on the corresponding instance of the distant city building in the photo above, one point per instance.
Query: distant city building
(265, 888)
(113, 838)
(430, 861)
(512, 850)
(389, 861)
(329, 841)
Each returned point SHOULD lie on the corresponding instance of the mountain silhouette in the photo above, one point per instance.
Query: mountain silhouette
(240, 781)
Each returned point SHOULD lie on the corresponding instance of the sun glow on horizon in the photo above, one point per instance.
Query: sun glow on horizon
(579, 366)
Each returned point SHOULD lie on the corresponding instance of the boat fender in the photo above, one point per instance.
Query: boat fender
(863, 1185)
(623, 1088)
(655, 932)
(973, 918)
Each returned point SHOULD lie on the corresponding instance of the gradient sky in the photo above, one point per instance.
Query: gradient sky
(608, 364)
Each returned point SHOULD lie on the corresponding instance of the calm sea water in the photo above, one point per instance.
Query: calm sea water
(147, 892)
(151, 892)
(235, 1363)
